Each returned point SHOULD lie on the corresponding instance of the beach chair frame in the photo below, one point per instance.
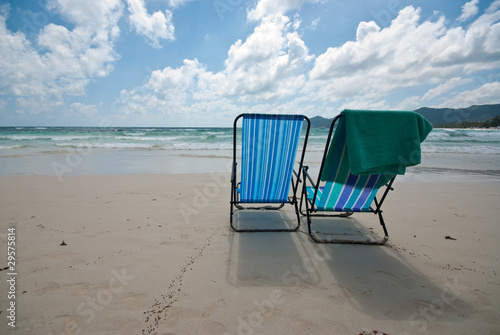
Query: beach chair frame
(237, 204)
(311, 209)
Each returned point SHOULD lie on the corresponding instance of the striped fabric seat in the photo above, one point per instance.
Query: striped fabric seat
(269, 147)
(343, 191)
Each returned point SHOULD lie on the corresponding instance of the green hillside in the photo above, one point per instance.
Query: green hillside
(473, 116)
(448, 116)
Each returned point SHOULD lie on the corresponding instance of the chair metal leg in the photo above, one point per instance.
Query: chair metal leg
(294, 228)
(239, 207)
(309, 210)
(317, 239)
(260, 207)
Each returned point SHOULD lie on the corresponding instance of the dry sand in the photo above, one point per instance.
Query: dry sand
(154, 254)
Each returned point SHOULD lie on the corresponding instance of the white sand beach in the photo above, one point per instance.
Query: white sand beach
(154, 254)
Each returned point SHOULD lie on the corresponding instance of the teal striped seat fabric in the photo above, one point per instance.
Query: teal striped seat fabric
(343, 191)
(269, 147)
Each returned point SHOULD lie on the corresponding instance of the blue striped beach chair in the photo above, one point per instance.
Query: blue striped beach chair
(269, 144)
(338, 190)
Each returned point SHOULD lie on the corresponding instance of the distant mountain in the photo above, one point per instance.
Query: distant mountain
(446, 116)
(320, 122)
(438, 116)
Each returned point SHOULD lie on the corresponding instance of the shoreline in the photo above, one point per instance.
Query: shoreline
(154, 253)
(153, 151)
(434, 167)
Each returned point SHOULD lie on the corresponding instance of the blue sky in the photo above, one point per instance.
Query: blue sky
(203, 62)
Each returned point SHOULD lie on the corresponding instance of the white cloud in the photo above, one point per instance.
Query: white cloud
(272, 69)
(410, 103)
(60, 61)
(177, 3)
(36, 104)
(469, 10)
(268, 66)
(365, 29)
(445, 87)
(488, 93)
(400, 46)
(362, 103)
(81, 110)
(271, 7)
(168, 92)
(19, 64)
(154, 27)
(405, 54)
(314, 23)
(94, 15)
(175, 85)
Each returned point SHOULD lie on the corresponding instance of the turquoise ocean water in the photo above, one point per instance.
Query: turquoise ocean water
(65, 151)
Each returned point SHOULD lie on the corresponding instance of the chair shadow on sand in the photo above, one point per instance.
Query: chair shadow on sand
(264, 258)
(375, 280)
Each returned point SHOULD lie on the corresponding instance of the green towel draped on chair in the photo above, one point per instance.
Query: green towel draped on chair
(367, 151)
(384, 142)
